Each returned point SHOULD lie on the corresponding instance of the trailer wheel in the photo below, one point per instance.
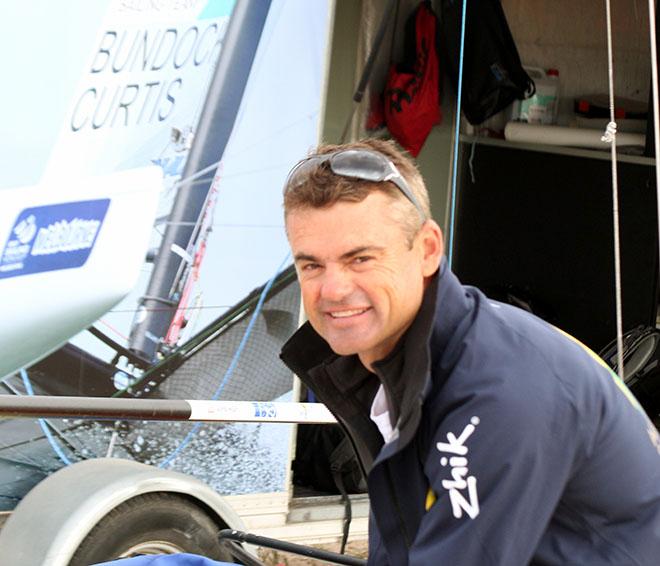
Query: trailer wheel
(152, 523)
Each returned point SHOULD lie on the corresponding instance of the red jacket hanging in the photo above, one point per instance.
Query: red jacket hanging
(412, 97)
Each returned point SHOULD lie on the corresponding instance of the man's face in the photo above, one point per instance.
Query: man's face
(362, 283)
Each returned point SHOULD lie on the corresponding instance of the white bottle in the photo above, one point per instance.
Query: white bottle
(541, 108)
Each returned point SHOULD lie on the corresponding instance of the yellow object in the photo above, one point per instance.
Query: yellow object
(430, 499)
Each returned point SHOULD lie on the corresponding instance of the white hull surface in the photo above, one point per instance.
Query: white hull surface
(68, 254)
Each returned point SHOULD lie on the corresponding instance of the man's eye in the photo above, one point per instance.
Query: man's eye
(310, 267)
(362, 259)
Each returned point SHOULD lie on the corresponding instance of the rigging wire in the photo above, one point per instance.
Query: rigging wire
(232, 365)
(189, 180)
(656, 104)
(162, 309)
(113, 329)
(610, 137)
(42, 423)
(457, 133)
(224, 225)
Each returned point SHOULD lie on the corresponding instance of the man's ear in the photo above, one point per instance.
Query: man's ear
(433, 247)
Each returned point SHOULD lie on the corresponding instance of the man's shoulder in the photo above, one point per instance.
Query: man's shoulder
(522, 366)
(497, 337)
(512, 357)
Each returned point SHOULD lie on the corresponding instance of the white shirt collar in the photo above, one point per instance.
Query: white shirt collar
(380, 414)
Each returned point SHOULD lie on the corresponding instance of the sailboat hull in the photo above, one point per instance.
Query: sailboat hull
(69, 251)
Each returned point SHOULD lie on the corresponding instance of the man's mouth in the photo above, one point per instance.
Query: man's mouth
(347, 313)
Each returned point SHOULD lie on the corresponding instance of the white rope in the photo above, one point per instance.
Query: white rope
(656, 104)
(610, 137)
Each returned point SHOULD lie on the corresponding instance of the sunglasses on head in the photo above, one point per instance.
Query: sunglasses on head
(362, 164)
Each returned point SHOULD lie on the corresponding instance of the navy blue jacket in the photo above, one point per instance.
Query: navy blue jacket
(516, 445)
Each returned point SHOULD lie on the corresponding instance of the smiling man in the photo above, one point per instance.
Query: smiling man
(363, 286)
(487, 435)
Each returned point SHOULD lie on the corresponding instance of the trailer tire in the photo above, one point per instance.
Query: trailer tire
(152, 523)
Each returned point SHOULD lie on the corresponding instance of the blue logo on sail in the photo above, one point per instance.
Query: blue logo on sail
(53, 237)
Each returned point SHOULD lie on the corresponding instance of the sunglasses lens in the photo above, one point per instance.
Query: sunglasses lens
(359, 164)
(301, 171)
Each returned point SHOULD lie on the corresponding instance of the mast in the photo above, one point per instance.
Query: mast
(158, 306)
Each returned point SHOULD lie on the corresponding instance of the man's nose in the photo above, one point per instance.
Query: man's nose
(337, 284)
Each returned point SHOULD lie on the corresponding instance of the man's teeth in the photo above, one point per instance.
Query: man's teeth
(344, 314)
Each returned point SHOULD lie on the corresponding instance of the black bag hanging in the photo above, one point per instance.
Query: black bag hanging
(325, 460)
(493, 76)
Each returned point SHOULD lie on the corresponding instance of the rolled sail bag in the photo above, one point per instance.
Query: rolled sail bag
(522, 132)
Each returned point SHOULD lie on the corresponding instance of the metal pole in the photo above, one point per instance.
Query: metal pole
(309, 551)
(369, 65)
(163, 410)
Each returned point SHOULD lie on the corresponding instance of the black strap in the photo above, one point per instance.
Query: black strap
(339, 459)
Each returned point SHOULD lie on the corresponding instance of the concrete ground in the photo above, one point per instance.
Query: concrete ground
(276, 558)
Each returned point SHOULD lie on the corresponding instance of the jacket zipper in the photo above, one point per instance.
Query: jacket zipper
(397, 507)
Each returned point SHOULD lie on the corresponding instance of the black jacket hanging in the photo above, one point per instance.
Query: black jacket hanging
(493, 76)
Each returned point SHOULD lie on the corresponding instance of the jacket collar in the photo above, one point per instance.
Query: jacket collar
(425, 348)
